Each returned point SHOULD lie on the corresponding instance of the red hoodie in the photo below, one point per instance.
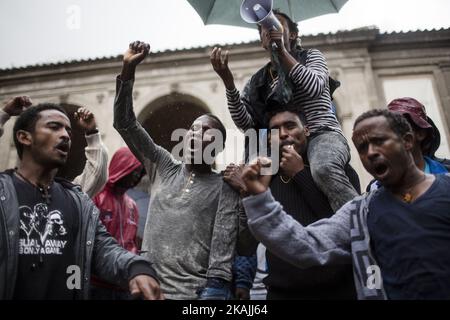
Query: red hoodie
(119, 212)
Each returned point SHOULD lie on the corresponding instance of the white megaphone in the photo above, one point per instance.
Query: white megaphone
(260, 11)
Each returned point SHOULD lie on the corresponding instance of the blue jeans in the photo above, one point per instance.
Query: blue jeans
(215, 294)
(216, 289)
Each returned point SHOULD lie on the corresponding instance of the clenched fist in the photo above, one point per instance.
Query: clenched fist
(253, 178)
(135, 54)
(85, 119)
(17, 105)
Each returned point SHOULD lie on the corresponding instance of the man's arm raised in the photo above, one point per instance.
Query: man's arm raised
(95, 172)
(326, 241)
(125, 122)
(241, 117)
(13, 107)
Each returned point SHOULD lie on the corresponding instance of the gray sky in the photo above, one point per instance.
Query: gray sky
(42, 31)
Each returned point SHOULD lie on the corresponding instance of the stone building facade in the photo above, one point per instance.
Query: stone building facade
(173, 87)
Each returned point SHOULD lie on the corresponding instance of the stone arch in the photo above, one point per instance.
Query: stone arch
(169, 112)
(161, 117)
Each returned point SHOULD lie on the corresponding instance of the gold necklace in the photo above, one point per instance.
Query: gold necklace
(271, 74)
(407, 196)
(285, 181)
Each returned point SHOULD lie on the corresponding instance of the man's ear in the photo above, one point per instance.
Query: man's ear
(24, 137)
(408, 140)
(307, 132)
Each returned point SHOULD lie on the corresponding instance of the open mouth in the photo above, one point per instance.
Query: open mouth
(63, 147)
(381, 169)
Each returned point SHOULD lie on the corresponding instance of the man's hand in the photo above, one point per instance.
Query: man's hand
(146, 286)
(85, 119)
(291, 162)
(220, 66)
(276, 37)
(135, 54)
(233, 176)
(254, 181)
(242, 294)
(17, 105)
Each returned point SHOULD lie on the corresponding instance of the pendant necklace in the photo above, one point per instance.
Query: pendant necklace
(44, 190)
(407, 196)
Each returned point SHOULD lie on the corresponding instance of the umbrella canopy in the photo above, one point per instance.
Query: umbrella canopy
(227, 12)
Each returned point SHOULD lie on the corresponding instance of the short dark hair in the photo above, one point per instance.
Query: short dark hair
(220, 125)
(396, 121)
(27, 121)
(288, 108)
(293, 26)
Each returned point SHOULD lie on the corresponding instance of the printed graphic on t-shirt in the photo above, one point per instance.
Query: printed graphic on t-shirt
(44, 230)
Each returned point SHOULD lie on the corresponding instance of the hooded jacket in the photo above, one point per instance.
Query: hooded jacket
(119, 212)
(434, 146)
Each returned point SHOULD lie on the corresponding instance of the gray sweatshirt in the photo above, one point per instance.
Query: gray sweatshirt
(340, 239)
(192, 225)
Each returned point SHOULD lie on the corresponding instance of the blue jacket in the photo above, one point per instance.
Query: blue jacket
(434, 167)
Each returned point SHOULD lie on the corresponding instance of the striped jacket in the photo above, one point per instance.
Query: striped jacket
(310, 94)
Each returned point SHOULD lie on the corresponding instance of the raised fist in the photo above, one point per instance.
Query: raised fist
(253, 178)
(85, 119)
(136, 52)
(17, 105)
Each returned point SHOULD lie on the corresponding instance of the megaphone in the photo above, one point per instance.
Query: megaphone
(260, 11)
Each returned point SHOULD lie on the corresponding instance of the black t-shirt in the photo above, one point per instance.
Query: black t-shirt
(46, 242)
(411, 242)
